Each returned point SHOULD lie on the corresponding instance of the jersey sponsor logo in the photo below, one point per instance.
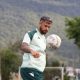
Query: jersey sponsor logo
(38, 37)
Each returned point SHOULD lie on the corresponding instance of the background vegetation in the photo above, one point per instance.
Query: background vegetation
(73, 29)
(10, 61)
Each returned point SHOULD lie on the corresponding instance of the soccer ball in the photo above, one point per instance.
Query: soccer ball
(53, 41)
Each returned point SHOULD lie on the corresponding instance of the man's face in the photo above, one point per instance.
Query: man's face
(44, 26)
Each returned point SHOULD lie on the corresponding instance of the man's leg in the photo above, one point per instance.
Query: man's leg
(26, 74)
(38, 75)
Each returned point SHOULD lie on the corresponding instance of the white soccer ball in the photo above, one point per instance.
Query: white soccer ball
(53, 41)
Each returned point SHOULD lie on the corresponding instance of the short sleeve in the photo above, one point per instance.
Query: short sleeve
(26, 38)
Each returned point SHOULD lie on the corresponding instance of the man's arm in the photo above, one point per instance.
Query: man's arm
(25, 48)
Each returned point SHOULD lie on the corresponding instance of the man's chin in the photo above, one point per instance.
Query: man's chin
(43, 33)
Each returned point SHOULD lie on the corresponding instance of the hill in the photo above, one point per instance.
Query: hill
(63, 7)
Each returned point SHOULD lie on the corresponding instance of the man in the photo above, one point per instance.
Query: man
(33, 46)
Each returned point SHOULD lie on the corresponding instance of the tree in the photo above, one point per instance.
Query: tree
(73, 29)
(10, 61)
(55, 63)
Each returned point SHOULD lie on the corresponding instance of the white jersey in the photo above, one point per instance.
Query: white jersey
(38, 43)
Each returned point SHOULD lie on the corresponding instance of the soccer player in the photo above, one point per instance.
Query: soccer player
(33, 46)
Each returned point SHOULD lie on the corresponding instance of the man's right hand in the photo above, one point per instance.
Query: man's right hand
(35, 54)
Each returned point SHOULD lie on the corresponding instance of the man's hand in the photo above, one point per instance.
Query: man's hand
(35, 54)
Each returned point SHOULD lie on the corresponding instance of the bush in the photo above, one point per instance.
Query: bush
(10, 62)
